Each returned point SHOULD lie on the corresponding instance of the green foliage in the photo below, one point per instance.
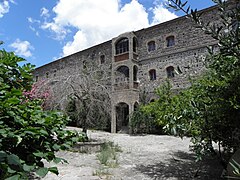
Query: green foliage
(141, 122)
(27, 133)
(209, 110)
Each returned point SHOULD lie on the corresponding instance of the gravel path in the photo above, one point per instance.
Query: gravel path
(142, 158)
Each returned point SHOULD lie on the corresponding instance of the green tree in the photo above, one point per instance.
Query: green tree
(215, 97)
(28, 134)
(209, 110)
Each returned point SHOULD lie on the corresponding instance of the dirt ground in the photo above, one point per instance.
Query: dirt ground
(143, 157)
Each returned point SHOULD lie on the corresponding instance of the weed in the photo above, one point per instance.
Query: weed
(108, 154)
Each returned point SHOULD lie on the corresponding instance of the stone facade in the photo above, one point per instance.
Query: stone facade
(139, 60)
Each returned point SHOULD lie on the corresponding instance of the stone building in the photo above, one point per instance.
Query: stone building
(139, 60)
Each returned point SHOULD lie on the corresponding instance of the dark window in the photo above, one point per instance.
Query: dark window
(84, 65)
(36, 79)
(152, 74)
(152, 100)
(47, 74)
(151, 46)
(134, 45)
(135, 71)
(122, 46)
(123, 70)
(170, 41)
(170, 72)
(102, 59)
(55, 71)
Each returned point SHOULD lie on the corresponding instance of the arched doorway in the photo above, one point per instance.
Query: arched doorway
(122, 117)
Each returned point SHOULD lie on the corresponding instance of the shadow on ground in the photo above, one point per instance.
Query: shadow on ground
(182, 166)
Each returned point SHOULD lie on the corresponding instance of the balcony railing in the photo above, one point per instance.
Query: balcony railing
(121, 57)
(121, 83)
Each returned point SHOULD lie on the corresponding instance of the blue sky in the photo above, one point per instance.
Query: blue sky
(42, 31)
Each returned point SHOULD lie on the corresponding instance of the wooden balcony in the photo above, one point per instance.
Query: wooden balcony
(121, 57)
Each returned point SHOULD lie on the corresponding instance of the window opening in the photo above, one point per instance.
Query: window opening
(152, 74)
(134, 45)
(151, 46)
(122, 46)
(170, 41)
(170, 72)
(102, 59)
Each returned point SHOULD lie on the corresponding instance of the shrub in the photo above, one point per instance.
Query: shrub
(28, 134)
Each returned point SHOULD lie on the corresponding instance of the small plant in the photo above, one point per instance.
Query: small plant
(108, 154)
(102, 171)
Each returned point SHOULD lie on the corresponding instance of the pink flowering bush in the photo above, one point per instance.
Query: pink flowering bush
(40, 91)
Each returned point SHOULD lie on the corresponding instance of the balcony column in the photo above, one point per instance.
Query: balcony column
(131, 109)
(113, 119)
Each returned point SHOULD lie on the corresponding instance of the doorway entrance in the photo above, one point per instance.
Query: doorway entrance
(122, 117)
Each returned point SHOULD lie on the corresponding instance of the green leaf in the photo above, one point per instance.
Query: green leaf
(56, 147)
(27, 168)
(11, 171)
(42, 172)
(13, 100)
(44, 132)
(58, 160)
(15, 177)
(13, 159)
(3, 155)
(16, 92)
(53, 170)
(39, 154)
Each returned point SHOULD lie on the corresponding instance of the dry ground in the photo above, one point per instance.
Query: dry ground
(142, 158)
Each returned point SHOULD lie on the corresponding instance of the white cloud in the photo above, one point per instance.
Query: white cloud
(44, 12)
(34, 30)
(22, 48)
(4, 7)
(31, 20)
(161, 14)
(32, 23)
(96, 21)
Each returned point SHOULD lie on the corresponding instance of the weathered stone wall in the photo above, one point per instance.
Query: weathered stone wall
(186, 56)
(57, 74)
(74, 63)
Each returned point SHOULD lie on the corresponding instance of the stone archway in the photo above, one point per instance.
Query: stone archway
(122, 117)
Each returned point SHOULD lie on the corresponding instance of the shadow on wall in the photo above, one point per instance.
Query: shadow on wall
(182, 166)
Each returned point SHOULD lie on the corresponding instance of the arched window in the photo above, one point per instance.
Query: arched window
(152, 74)
(135, 44)
(170, 41)
(122, 46)
(123, 70)
(102, 59)
(136, 105)
(152, 100)
(47, 74)
(151, 46)
(170, 71)
(135, 71)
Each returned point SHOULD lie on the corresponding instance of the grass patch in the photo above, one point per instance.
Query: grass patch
(108, 154)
